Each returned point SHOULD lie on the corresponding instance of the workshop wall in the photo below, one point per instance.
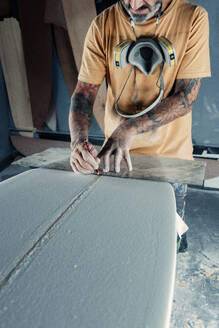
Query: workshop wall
(62, 98)
(6, 149)
(206, 110)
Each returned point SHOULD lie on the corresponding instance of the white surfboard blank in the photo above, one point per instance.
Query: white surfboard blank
(108, 259)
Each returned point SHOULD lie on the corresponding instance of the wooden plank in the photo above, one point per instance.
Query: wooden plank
(212, 167)
(144, 167)
(12, 61)
(163, 169)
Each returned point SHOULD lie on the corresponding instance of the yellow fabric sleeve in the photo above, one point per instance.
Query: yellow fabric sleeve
(93, 66)
(196, 60)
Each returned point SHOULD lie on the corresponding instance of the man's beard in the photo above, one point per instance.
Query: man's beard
(141, 18)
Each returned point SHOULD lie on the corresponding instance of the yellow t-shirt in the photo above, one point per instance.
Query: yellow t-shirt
(186, 25)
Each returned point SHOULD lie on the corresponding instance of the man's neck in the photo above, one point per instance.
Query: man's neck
(165, 4)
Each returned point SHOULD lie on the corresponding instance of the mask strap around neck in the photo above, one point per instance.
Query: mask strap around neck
(158, 18)
(147, 109)
(133, 26)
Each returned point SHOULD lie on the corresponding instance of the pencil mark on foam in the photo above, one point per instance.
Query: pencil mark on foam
(31, 254)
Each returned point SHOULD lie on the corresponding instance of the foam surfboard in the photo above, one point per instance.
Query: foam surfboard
(86, 252)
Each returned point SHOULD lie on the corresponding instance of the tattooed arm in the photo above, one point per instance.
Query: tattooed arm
(178, 104)
(83, 155)
(171, 108)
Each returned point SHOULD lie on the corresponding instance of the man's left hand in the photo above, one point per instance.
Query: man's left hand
(118, 145)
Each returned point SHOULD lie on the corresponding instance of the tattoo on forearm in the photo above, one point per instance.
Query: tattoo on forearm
(188, 89)
(81, 104)
(81, 107)
(171, 108)
(83, 98)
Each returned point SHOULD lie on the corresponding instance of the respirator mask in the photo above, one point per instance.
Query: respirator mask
(144, 54)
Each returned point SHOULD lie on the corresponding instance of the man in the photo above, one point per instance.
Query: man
(166, 129)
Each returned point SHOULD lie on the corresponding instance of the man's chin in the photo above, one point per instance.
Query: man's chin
(140, 18)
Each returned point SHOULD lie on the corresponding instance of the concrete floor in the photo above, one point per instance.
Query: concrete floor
(197, 278)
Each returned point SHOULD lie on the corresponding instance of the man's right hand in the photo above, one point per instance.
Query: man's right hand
(83, 158)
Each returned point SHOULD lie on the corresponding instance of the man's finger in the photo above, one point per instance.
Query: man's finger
(117, 160)
(82, 169)
(84, 163)
(106, 162)
(90, 148)
(74, 169)
(127, 158)
(106, 149)
(88, 157)
(93, 152)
